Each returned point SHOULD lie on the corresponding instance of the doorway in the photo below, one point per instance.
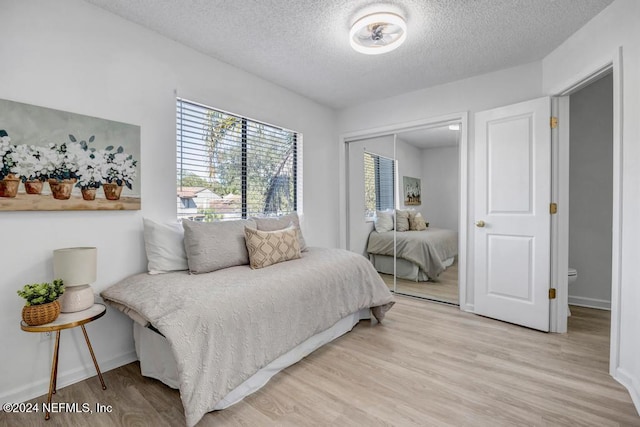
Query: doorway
(591, 194)
(590, 213)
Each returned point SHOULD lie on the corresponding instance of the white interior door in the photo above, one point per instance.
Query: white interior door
(512, 196)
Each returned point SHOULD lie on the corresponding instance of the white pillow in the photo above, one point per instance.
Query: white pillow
(384, 221)
(164, 244)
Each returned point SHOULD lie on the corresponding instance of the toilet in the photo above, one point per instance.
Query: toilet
(572, 277)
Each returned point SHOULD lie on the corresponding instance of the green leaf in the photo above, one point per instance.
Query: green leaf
(109, 148)
(120, 149)
(92, 138)
(41, 293)
(72, 138)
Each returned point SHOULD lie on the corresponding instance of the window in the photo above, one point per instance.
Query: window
(379, 183)
(231, 167)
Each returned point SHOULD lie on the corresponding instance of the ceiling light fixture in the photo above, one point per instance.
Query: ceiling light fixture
(378, 33)
(455, 126)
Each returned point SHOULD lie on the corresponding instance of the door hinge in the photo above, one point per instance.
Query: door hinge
(553, 122)
(553, 208)
(552, 293)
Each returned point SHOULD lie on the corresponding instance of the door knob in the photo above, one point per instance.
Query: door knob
(480, 223)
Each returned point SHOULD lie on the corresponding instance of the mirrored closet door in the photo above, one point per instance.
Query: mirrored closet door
(403, 195)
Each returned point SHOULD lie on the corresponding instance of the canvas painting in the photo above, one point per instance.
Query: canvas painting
(411, 191)
(57, 160)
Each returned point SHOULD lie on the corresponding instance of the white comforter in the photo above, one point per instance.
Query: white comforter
(226, 325)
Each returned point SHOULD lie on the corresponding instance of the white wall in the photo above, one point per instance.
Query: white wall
(440, 186)
(586, 50)
(73, 56)
(473, 94)
(590, 193)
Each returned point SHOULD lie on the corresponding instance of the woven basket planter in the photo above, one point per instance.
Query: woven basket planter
(35, 315)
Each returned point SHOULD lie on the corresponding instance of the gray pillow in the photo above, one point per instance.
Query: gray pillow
(402, 220)
(212, 246)
(276, 223)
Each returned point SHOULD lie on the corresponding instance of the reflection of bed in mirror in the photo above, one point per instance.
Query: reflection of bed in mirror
(421, 255)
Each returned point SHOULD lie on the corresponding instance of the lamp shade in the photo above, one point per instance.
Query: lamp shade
(75, 266)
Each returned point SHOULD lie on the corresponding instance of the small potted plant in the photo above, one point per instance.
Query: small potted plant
(118, 169)
(9, 180)
(62, 164)
(89, 175)
(42, 304)
(90, 164)
(32, 167)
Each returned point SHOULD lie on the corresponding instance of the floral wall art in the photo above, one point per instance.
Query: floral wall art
(412, 191)
(56, 160)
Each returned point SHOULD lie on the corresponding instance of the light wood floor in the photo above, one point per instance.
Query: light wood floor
(426, 365)
(446, 289)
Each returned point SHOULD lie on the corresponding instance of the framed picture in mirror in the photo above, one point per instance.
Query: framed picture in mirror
(411, 188)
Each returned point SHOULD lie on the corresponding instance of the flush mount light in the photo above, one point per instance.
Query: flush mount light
(455, 126)
(378, 33)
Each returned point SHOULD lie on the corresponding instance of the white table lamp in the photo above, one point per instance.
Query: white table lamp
(77, 269)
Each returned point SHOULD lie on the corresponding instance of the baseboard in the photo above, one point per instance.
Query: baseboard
(590, 302)
(66, 378)
(632, 384)
(468, 308)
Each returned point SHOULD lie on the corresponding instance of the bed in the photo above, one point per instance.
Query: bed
(419, 255)
(221, 335)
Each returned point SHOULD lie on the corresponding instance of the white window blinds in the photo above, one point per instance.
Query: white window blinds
(379, 183)
(231, 167)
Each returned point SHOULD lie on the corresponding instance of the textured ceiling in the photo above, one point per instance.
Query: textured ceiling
(303, 45)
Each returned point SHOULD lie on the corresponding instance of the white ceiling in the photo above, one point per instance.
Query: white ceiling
(303, 45)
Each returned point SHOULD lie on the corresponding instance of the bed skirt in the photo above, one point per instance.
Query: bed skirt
(404, 269)
(157, 361)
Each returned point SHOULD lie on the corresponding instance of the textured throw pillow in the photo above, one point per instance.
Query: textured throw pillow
(271, 247)
(212, 246)
(402, 220)
(417, 222)
(384, 221)
(280, 223)
(164, 244)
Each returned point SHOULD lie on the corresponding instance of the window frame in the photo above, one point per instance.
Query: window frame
(247, 127)
(378, 190)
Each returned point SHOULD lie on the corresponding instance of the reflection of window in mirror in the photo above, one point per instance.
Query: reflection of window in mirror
(379, 182)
